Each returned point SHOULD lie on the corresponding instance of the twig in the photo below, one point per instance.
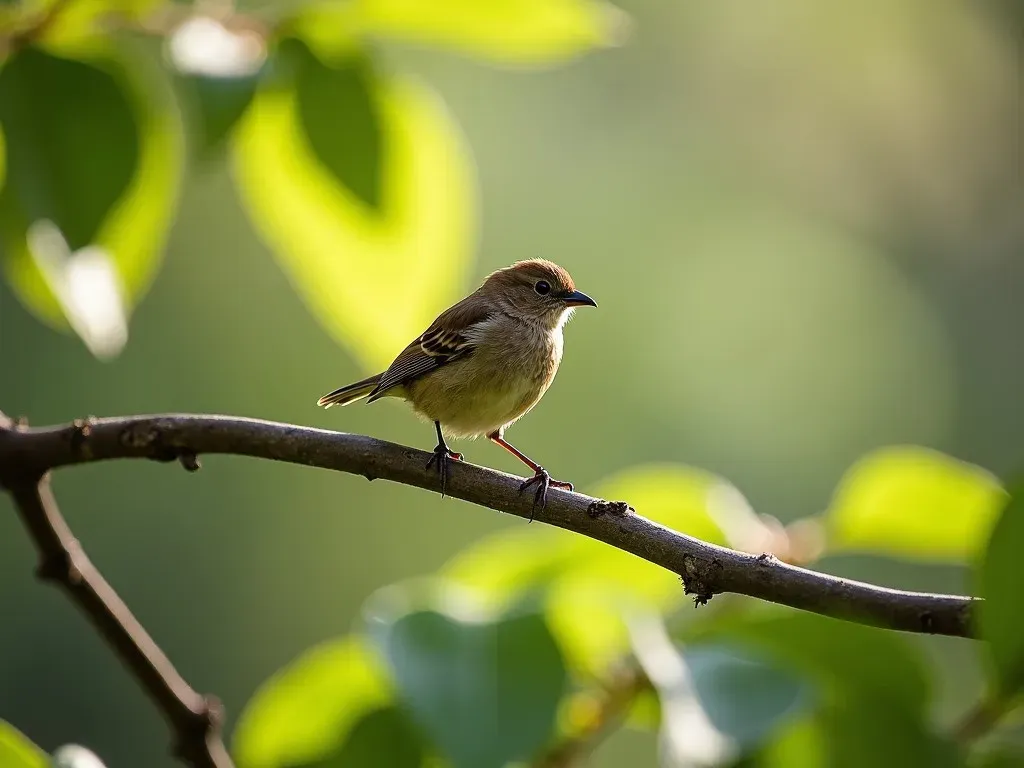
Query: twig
(613, 707)
(195, 719)
(705, 569)
(981, 718)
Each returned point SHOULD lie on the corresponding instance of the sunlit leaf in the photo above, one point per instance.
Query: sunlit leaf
(76, 23)
(521, 32)
(914, 503)
(801, 742)
(374, 278)
(332, 701)
(1001, 580)
(383, 737)
(589, 584)
(16, 751)
(98, 161)
(484, 688)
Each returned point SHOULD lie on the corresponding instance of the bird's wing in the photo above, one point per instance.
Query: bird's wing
(446, 339)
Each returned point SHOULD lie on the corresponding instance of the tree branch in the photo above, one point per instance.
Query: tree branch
(705, 569)
(195, 719)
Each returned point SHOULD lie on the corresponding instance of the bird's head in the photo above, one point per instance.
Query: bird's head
(536, 290)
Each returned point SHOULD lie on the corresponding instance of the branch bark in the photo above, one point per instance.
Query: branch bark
(195, 719)
(705, 569)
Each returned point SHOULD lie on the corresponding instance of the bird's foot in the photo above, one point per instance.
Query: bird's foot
(544, 481)
(442, 455)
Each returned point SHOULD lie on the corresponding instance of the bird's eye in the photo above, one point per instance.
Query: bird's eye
(542, 288)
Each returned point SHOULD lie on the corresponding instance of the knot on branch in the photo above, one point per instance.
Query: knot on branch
(700, 577)
(201, 725)
(600, 508)
(78, 436)
(148, 437)
(62, 566)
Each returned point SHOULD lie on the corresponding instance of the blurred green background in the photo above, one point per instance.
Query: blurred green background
(803, 223)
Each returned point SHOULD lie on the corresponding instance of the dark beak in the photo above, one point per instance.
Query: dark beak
(578, 299)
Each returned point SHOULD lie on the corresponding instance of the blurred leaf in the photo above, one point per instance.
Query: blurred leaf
(16, 751)
(745, 697)
(590, 584)
(100, 159)
(78, 23)
(520, 32)
(218, 104)
(375, 279)
(1005, 757)
(384, 737)
(871, 731)
(1001, 580)
(914, 503)
(487, 692)
(315, 710)
(342, 121)
(72, 155)
(798, 743)
(850, 659)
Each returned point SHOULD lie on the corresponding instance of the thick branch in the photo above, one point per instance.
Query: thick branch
(195, 719)
(706, 569)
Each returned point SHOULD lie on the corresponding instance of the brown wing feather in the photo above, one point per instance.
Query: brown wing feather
(444, 341)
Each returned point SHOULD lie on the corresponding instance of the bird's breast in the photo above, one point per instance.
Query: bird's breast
(510, 368)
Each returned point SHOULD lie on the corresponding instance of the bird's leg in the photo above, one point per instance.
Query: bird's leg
(540, 475)
(442, 455)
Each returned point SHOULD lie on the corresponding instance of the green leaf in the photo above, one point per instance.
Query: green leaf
(485, 691)
(914, 503)
(342, 120)
(78, 23)
(16, 751)
(798, 743)
(383, 737)
(518, 32)
(93, 169)
(744, 696)
(847, 658)
(588, 585)
(869, 731)
(72, 155)
(1001, 583)
(315, 712)
(216, 104)
(343, 256)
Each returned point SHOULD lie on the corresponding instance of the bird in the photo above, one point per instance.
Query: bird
(483, 364)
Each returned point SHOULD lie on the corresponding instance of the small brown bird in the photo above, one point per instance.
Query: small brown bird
(483, 363)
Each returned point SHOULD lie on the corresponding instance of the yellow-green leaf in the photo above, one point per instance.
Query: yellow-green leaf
(375, 278)
(306, 710)
(589, 584)
(16, 751)
(915, 503)
(518, 32)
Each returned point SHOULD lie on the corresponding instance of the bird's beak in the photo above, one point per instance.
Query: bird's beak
(578, 299)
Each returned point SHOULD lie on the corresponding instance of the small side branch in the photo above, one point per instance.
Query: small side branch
(195, 719)
(705, 569)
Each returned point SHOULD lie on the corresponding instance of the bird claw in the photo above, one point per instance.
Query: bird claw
(442, 455)
(544, 481)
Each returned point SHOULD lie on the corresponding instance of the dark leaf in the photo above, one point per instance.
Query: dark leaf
(72, 142)
(341, 119)
(486, 693)
(1001, 580)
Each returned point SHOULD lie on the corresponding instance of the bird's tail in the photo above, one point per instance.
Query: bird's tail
(351, 393)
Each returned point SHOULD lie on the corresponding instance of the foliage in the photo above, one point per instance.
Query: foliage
(360, 182)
